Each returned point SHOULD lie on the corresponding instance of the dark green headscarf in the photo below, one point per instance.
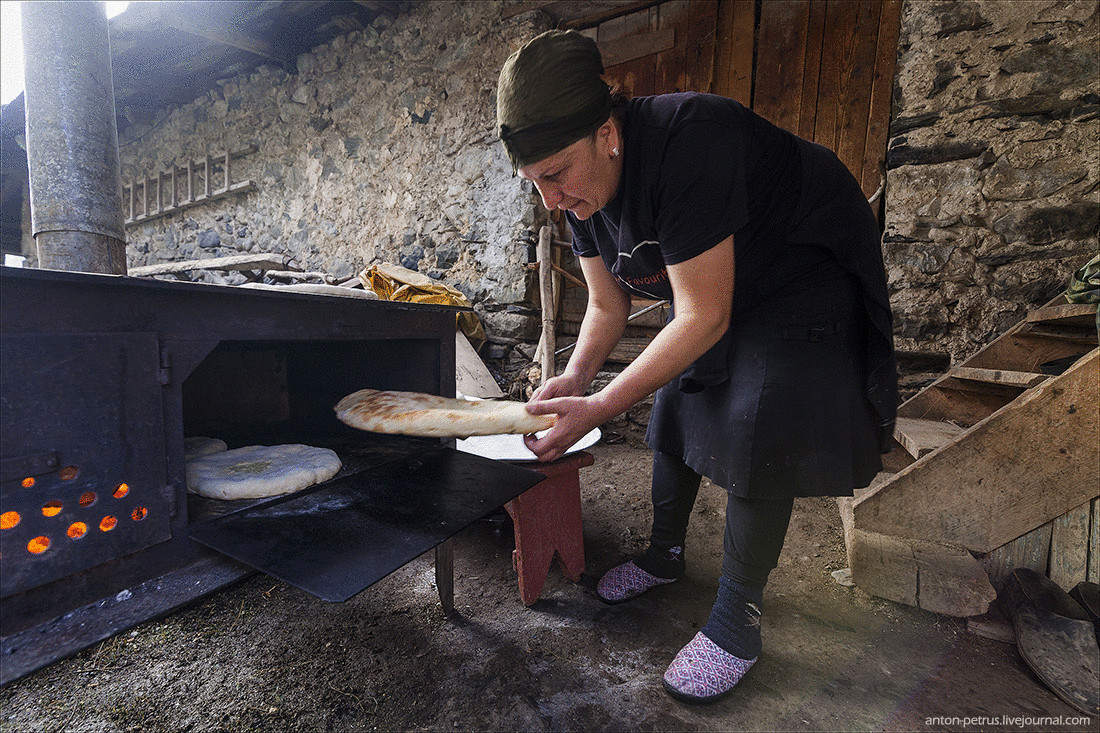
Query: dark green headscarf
(550, 95)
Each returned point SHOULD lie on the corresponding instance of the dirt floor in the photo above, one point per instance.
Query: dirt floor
(264, 656)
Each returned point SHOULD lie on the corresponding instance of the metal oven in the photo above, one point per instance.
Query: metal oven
(101, 379)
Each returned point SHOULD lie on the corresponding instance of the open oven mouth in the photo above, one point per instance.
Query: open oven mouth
(102, 378)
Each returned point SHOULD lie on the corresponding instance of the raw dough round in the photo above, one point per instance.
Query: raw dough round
(258, 471)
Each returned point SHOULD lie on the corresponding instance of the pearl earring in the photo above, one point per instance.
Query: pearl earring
(614, 152)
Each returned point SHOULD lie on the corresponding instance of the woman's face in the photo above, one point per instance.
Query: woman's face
(583, 177)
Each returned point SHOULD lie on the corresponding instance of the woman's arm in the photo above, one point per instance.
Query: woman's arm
(702, 290)
(602, 327)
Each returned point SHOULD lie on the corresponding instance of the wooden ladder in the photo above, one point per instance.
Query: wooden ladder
(996, 467)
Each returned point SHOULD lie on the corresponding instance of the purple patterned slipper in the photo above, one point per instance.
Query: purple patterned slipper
(703, 671)
(627, 581)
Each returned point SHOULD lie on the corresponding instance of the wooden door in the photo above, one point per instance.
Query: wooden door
(822, 69)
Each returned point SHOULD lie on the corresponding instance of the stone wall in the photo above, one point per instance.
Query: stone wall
(993, 189)
(381, 147)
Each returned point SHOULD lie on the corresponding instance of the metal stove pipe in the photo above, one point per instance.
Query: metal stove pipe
(72, 138)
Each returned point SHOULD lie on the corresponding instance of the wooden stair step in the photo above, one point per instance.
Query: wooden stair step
(1069, 314)
(1061, 333)
(921, 437)
(1025, 380)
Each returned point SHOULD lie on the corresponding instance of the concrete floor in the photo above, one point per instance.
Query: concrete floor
(265, 656)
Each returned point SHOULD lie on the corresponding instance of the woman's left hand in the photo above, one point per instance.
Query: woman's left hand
(576, 418)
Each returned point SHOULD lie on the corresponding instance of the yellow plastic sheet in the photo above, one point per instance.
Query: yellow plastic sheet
(393, 282)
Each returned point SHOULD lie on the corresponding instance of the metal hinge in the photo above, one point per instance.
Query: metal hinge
(164, 374)
(168, 491)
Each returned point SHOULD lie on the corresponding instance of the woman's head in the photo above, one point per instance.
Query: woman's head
(554, 116)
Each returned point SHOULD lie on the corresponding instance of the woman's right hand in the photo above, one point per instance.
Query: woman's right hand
(566, 385)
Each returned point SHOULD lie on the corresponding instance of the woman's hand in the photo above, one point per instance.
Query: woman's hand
(566, 385)
(576, 418)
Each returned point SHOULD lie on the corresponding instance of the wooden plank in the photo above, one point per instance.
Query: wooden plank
(472, 377)
(858, 48)
(1026, 351)
(811, 71)
(920, 437)
(571, 14)
(945, 401)
(236, 262)
(1094, 542)
(633, 24)
(934, 576)
(1069, 547)
(1026, 380)
(840, 19)
(733, 59)
(1071, 314)
(635, 78)
(781, 62)
(1031, 551)
(1070, 335)
(574, 13)
(1028, 463)
(882, 90)
(629, 48)
(627, 350)
(689, 66)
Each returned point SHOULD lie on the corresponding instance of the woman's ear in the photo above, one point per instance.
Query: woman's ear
(609, 139)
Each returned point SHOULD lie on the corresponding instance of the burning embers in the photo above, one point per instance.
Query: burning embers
(88, 501)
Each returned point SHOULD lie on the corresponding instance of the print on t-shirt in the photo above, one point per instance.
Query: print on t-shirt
(642, 270)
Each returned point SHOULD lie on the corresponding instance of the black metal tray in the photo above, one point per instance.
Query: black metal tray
(342, 536)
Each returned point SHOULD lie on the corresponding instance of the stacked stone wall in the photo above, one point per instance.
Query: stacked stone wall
(381, 147)
(993, 184)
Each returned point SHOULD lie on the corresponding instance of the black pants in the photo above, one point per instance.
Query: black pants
(755, 528)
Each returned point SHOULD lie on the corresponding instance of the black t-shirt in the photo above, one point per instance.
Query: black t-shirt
(698, 168)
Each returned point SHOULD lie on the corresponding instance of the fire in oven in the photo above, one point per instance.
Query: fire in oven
(103, 378)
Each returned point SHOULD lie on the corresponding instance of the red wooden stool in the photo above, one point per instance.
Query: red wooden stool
(547, 519)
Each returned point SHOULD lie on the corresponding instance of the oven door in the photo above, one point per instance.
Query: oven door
(83, 435)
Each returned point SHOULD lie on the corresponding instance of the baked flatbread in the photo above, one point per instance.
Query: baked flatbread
(198, 447)
(413, 413)
(258, 471)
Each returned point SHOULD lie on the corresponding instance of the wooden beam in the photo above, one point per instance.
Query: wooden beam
(218, 33)
(1070, 314)
(1025, 380)
(920, 437)
(380, 6)
(633, 47)
(236, 262)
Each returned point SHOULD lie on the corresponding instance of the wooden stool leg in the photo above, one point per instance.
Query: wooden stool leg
(445, 575)
(547, 520)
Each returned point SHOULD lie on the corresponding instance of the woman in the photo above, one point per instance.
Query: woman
(775, 372)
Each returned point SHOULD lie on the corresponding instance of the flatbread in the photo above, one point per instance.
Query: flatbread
(431, 416)
(259, 471)
(198, 447)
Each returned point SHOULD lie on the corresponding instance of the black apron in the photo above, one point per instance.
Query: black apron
(779, 408)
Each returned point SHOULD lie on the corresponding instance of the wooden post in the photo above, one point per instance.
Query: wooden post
(226, 187)
(190, 181)
(206, 182)
(546, 297)
(133, 184)
(175, 201)
(144, 193)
